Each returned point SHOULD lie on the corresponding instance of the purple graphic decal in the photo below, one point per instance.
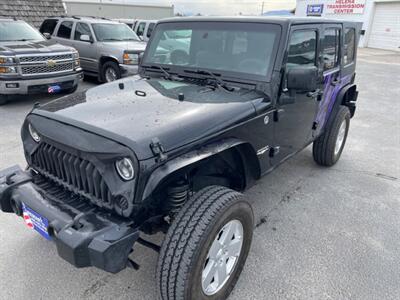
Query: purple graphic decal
(329, 97)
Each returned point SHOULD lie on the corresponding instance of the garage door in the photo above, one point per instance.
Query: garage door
(385, 32)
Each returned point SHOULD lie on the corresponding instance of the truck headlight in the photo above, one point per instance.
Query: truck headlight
(131, 58)
(77, 61)
(125, 169)
(7, 60)
(34, 134)
(8, 70)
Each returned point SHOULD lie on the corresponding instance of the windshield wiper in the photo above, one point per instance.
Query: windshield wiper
(218, 81)
(168, 75)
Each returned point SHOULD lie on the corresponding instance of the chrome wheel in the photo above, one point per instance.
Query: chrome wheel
(222, 257)
(340, 137)
(111, 74)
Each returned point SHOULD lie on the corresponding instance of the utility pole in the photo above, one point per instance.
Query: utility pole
(262, 8)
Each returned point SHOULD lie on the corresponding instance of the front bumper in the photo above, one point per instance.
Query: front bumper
(27, 85)
(84, 235)
(129, 70)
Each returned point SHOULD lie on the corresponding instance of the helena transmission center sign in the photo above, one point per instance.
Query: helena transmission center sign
(345, 7)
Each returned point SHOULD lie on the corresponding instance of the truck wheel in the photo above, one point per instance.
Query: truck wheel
(206, 246)
(110, 71)
(3, 99)
(329, 146)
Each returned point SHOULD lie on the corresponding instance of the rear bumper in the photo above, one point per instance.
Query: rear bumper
(27, 86)
(84, 235)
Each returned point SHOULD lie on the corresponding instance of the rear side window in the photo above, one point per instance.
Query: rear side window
(349, 45)
(150, 29)
(302, 48)
(330, 49)
(82, 29)
(64, 31)
(141, 29)
(48, 26)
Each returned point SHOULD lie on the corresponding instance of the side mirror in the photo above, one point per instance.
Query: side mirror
(302, 79)
(85, 38)
(47, 35)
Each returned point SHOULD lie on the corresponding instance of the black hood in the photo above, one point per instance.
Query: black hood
(135, 111)
(31, 47)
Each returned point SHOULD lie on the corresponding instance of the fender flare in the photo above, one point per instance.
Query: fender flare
(343, 99)
(194, 156)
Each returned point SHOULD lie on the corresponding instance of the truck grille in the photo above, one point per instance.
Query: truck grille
(45, 69)
(45, 58)
(73, 173)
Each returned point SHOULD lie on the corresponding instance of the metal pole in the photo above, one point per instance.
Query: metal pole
(262, 8)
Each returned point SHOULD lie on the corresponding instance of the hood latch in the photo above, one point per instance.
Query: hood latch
(158, 150)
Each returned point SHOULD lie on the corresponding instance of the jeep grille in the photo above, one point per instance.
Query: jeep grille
(73, 173)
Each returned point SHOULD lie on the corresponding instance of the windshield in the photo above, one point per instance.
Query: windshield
(18, 31)
(114, 32)
(228, 47)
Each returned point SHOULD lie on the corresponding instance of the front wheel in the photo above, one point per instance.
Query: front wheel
(328, 148)
(206, 246)
(110, 71)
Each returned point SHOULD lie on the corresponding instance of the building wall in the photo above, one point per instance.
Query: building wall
(32, 11)
(366, 17)
(119, 11)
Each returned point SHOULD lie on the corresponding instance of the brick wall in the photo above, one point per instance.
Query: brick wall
(32, 11)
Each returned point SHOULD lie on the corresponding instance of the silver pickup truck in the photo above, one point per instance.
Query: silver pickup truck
(31, 64)
(108, 49)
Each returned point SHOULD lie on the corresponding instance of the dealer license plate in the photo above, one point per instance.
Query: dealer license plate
(35, 221)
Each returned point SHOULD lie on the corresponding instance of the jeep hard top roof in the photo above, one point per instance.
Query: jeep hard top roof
(284, 20)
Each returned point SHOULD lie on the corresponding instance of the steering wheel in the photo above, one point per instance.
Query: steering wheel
(252, 65)
(179, 57)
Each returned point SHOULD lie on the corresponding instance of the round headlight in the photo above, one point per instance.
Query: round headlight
(34, 134)
(125, 169)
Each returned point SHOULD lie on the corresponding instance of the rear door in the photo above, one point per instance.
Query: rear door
(87, 50)
(332, 36)
(295, 121)
(63, 33)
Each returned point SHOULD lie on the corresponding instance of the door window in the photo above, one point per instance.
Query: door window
(349, 45)
(150, 29)
(302, 48)
(65, 30)
(141, 29)
(331, 48)
(82, 29)
(48, 26)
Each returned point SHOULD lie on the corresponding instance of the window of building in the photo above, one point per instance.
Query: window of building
(302, 48)
(330, 48)
(65, 30)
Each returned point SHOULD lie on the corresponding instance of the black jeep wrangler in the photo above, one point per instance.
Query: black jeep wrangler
(172, 149)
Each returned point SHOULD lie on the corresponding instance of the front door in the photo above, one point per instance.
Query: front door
(295, 120)
(87, 50)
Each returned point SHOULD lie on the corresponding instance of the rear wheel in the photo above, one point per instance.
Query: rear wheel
(206, 246)
(110, 71)
(328, 148)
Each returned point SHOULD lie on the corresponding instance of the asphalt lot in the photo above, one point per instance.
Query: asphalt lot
(321, 233)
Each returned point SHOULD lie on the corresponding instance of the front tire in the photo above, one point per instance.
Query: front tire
(110, 71)
(3, 99)
(206, 246)
(328, 148)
